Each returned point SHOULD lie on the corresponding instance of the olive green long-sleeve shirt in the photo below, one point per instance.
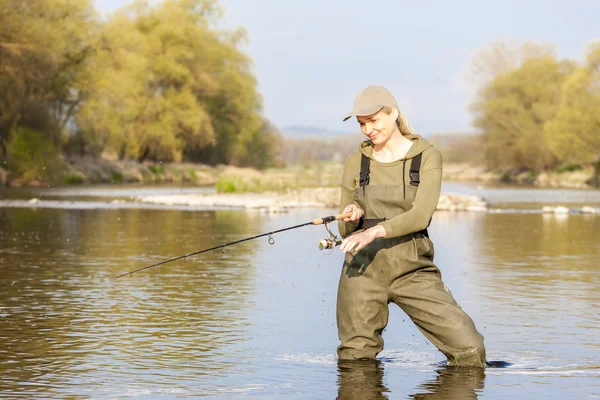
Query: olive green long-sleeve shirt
(396, 173)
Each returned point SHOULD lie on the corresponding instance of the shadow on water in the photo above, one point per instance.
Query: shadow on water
(365, 380)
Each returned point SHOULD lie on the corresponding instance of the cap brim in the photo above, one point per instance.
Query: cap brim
(362, 111)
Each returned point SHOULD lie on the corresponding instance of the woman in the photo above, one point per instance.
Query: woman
(392, 186)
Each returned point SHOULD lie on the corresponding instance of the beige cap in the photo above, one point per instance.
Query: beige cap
(370, 100)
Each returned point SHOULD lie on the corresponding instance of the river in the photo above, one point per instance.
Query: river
(256, 320)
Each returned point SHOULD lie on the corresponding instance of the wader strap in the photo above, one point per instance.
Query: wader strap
(365, 164)
(366, 223)
(419, 234)
(415, 167)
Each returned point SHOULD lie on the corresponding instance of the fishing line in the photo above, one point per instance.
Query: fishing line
(319, 221)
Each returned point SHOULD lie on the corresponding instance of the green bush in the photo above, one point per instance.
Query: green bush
(229, 185)
(568, 168)
(156, 169)
(236, 184)
(33, 156)
(193, 174)
(73, 180)
(116, 177)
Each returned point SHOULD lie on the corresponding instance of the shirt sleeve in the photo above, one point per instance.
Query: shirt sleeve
(426, 199)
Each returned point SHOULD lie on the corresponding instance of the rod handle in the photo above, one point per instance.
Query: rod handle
(337, 217)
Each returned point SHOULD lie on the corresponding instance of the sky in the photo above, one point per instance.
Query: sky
(313, 56)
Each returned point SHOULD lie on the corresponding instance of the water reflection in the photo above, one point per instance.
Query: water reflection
(358, 380)
(532, 281)
(452, 383)
(221, 323)
(65, 322)
(361, 380)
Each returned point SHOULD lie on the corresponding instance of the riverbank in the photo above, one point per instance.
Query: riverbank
(458, 198)
(304, 198)
(576, 179)
(330, 198)
(88, 170)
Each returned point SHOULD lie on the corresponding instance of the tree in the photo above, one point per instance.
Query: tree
(156, 81)
(43, 46)
(167, 85)
(574, 134)
(262, 149)
(512, 110)
(502, 57)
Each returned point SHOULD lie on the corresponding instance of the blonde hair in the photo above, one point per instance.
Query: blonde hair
(401, 121)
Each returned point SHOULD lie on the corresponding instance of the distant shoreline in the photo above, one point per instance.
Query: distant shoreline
(268, 202)
(87, 170)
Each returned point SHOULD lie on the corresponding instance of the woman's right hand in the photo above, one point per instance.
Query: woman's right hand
(357, 213)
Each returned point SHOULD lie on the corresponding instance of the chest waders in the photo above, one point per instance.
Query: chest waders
(398, 270)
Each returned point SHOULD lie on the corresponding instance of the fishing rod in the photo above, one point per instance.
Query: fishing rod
(329, 243)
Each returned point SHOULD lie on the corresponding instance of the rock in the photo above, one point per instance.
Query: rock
(477, 208)
(455, 202)
(309, 197)
(277, 210)
(555, 210)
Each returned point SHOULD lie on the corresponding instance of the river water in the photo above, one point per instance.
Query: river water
(256, 320)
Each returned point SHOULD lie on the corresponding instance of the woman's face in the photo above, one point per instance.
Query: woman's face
(379, 127)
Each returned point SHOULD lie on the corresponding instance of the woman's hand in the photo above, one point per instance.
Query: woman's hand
(357, 213)
(355, 243)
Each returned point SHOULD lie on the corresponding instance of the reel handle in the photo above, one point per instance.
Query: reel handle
(326, 220)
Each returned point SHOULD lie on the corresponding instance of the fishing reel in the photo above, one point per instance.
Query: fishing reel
(330, 242)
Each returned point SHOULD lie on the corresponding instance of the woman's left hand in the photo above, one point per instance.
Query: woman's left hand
(355, 243)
